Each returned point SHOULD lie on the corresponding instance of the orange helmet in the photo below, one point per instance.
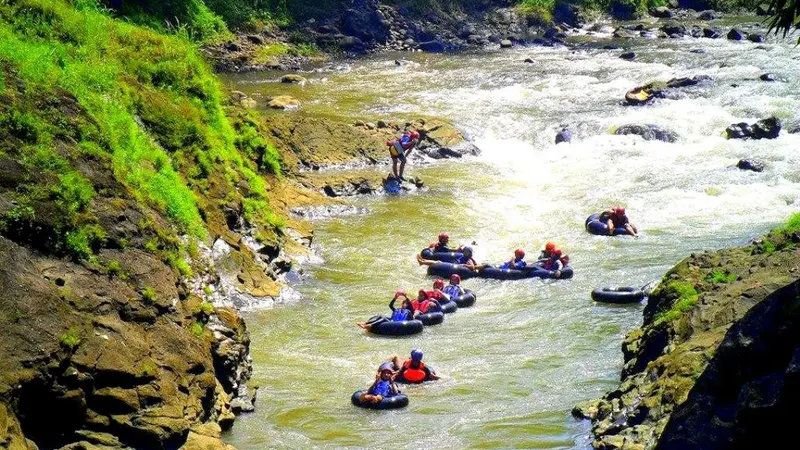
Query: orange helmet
(519, 253)
(549, 247)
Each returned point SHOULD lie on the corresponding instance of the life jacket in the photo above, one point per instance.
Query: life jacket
(452, 290)
(618, 220)
(553, 264)
(440, 248)
(421, 306)
(382, 388)
(399, 315)
(516, 265)
(464, 260)
(435, 295)
(414, 375)
(398, 146)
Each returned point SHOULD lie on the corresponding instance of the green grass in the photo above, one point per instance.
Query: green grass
(148, 107)
(149, 295)
(196, 328)
(720, 276)
(71, 339)
(686, 300)
(791, 226)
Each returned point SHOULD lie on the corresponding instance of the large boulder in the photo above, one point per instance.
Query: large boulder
(768, 128)
(661, 12)
(709, 14)
(434, 46)
(735, 35)
(365, 24)
(673, 29)
(659, 89)
(283, 102)
(648, 132)
(711, 33)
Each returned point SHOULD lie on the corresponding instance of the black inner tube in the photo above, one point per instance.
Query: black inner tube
(618, 295)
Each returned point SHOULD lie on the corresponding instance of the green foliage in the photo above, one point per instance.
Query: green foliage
(540, 11)
(196, 328)
(720, 276)
(207, 308)
(114, 268)
(686, 300)
(71, 339)
(85, 241)
(149, 295)
(791, 226)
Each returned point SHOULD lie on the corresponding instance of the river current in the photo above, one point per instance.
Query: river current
(515, 364)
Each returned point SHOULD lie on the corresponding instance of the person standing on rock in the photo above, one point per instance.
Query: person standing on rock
(399, 149)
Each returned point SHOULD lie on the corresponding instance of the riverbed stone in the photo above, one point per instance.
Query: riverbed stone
(661, 12)
(708, 14)
(756, 37)
(283, 102)
(506, 43)
(293, 79)
(735, 35)
(648, 132)
(628, 56)
(767, 77)
(711, 33)
(750, 164)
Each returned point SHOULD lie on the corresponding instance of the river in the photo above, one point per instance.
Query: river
(515, 364)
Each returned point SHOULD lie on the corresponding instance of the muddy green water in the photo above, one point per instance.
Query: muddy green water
(514, 365)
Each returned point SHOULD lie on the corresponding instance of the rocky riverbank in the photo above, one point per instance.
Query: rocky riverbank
(691, 359)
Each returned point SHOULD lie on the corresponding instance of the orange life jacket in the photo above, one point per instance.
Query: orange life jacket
(414, 375)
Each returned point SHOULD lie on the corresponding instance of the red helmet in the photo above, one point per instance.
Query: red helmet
(557, 252)
(519, 253)
(414, 135)
(438, 283)
(549, 247)
(619, 210)
(444, 237)
(455, 278)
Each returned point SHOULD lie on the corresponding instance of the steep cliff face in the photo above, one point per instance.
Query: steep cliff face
(685, 322)
(748, 393)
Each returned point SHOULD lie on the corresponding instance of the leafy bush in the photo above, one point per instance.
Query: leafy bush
(720, 276)
(71, 339)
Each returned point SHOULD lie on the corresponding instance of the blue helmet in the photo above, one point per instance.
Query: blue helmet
(467, 250)
(416, 355)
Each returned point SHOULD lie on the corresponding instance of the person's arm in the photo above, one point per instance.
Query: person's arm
(425, 262)
(393, 388)
(429, 374)
(391, 304)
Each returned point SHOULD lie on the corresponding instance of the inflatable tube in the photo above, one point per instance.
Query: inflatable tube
(440, 256)
(448, 306)
(393, 402)
(466, 299)
(431, 318)
(401, 328)
(595, 226)
(403, 380)
(618, 295)
(445, 269)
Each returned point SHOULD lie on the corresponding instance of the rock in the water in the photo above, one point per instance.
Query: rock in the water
(529, 60)
(711, 33)
(283, 102)
(293, 79)
(756, 37)
(768, 128)
(708, 15)
(750, 164)
(505, 43)
(628, 56)
(661, 12)
(432, 46)
(674, 28)
(648, 132)
(735, 35)
(565, 135)
(767, 77)
(762, 9)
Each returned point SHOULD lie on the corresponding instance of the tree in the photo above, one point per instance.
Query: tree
(785, 16)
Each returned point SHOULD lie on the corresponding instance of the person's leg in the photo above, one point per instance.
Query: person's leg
(402, 168)
(394, 167)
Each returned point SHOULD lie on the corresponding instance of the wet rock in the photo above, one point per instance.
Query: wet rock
(762, 9)
(293, 79)
(735, 35)
(648, 132)
(432, 46)
(283, 102)
(588, 409)
(242, 99)
(709, 14)
(661, 12)
(767, 77)
(364, 24)
(648, 92)
(674, 29)
(756, 37)
(750, 164)
(628, 56)
(768, 128)
(698, 51)
(711, 33)
(565, 135)
(505, 43)
(529, 61)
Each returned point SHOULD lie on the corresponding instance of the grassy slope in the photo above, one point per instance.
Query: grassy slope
(157, 116)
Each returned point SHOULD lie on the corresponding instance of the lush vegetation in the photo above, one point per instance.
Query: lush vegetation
(83, 92)
(685, 299)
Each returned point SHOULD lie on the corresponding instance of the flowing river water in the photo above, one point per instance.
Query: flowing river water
(515, 364)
